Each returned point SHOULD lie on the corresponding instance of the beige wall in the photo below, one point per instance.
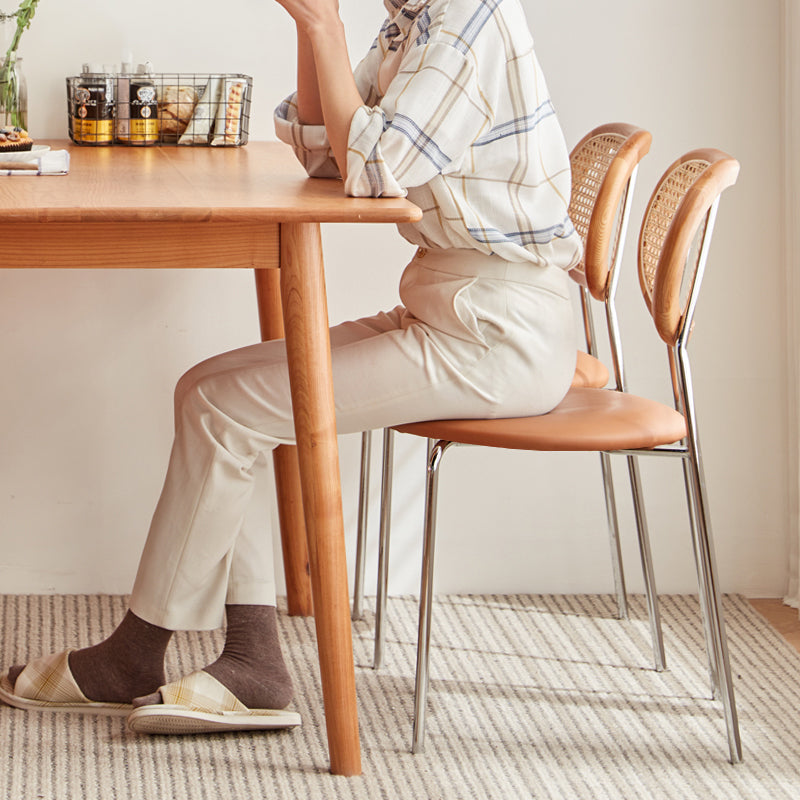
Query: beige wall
(89, 359)
(791, 184)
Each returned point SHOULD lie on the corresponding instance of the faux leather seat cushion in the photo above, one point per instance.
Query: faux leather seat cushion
(590, 372)
(585, 420)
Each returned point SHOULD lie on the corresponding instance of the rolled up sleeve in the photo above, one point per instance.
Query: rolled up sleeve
(309, 142)
(431, 113)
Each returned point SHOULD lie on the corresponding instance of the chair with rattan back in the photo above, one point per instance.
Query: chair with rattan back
(604, 165)
(673, 247)
(604, 168)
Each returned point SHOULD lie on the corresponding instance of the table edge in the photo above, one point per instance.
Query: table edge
(332, 206)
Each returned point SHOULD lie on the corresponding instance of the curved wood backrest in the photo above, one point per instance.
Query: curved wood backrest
(602, 163)
(678, 207)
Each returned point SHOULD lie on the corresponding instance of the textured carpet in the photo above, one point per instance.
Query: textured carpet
(531, 697)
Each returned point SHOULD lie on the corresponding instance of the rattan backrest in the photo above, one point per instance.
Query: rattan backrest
(674, 222)
(602, 164)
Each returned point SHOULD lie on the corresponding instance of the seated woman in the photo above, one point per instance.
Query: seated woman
(450, 108)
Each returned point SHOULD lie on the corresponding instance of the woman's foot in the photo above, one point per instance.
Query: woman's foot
(251, 665)
(127, 664)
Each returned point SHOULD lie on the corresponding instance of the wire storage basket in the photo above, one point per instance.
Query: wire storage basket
(159, 108)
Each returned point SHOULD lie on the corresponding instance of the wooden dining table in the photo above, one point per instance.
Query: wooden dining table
(247, 207)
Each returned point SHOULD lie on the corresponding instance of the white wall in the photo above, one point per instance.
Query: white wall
(89, 358)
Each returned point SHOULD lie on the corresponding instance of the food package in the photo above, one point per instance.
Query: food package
(198, 129)
(176, 106)
(228, 124)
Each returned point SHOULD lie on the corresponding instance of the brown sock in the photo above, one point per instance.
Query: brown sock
(251, 664)
(127, 664)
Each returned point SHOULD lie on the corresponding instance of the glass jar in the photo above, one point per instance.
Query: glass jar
(91, 108)
(13, 94)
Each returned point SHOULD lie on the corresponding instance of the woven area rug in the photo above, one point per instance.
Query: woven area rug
(531, 697)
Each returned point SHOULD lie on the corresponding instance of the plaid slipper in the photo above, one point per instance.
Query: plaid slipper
(46, 684)
(199, 703)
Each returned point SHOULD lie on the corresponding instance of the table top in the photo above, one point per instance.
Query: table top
(260, 182)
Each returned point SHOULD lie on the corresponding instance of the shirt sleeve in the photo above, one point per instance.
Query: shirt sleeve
(433, 110)
(309, 142)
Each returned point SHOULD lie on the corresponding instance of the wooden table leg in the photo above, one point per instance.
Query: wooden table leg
(284, 462)
(306, 321)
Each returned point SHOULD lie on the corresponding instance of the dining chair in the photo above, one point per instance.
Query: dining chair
(673, 248)
(604, 167)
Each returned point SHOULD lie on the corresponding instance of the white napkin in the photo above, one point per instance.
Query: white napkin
(52, 162)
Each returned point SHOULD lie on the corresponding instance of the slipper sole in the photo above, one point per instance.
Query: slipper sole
(170, 719)
(26, 704)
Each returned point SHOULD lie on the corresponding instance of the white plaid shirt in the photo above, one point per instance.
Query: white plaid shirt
(457, 117)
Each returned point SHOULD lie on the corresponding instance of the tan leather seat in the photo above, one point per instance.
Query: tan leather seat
(590, 372)
(585, 420)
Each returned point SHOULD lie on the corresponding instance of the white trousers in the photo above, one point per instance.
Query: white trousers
(476, 336)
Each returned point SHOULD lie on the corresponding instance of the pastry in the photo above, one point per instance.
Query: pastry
(14, 139)
(175, 108)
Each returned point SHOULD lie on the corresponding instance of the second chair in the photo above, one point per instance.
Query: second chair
(673, 247)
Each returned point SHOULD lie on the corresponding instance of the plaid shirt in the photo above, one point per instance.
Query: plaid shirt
(457, 117)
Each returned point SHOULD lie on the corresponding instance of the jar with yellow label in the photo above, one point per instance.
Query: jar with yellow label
(141, 124)
(92, 107)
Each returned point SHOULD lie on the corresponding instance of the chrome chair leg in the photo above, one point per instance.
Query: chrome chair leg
(387, 477)
(605, 469)
(709, 591)
(612, 324)
(717, 645)
(361, 531)
(383, 547)
(653, 613)
(426, 597)
(613, 536)
(691, 506)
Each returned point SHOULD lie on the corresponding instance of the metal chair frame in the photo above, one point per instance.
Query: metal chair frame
(688, 450)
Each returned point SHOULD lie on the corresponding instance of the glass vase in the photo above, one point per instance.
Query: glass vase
(13, 94)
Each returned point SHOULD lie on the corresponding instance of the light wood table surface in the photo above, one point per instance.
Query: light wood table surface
(249, 207)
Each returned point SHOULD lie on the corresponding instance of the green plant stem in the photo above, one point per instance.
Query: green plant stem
(9, 90)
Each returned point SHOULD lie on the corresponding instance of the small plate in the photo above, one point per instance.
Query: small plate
(25, 155)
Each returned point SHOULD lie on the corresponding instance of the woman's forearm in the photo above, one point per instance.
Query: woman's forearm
(337, 92)
(309, 108)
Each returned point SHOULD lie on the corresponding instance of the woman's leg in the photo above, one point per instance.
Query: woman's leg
(471, 350)
(198, 519)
